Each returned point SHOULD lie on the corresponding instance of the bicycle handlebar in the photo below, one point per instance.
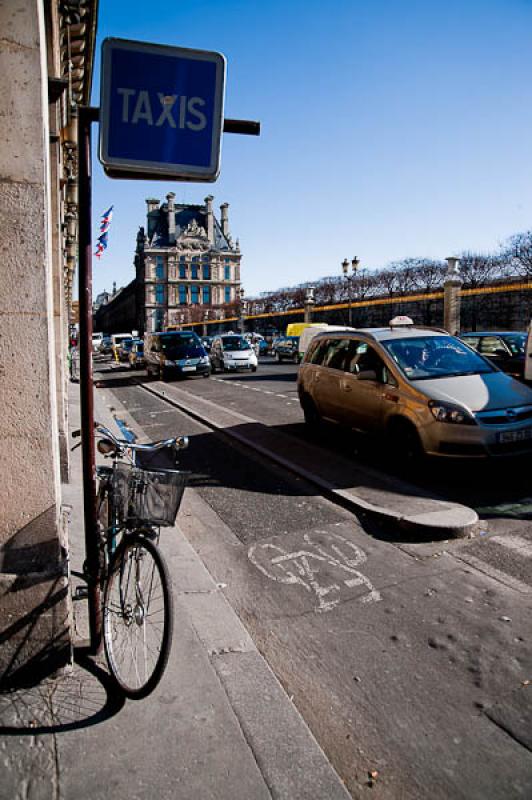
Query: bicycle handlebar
(179, 442)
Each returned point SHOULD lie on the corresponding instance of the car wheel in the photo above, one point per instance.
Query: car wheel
(278, 357)
(405, 442)
(253, 369)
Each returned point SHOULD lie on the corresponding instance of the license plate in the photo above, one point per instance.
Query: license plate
(515, 436)
(188, 369)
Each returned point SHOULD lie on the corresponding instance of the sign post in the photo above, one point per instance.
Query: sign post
(161, 111)
(161, 116)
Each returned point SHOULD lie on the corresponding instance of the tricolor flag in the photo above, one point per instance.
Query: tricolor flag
(105, 224)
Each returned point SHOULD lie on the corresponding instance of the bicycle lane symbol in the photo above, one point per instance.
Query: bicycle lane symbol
(322, 555)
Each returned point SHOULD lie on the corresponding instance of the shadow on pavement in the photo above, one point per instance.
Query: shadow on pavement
(78, 699)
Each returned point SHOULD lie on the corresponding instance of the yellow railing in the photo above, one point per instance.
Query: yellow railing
(377, 301)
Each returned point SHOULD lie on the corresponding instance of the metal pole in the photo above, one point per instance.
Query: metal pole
(86, 115)
(349, 279)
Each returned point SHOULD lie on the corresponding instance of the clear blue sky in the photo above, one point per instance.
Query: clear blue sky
(390, 128)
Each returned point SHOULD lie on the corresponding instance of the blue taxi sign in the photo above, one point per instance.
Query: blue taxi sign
(161, 111)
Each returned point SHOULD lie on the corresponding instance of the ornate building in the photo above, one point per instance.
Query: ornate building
(187, 266)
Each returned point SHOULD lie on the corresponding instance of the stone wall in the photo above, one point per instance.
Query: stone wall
(34, 618)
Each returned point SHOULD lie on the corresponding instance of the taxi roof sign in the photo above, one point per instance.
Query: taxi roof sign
(400, 320)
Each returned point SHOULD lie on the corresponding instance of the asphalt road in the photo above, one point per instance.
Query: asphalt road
(406, 658)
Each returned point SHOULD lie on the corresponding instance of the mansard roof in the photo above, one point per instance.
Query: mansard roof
(184, 215)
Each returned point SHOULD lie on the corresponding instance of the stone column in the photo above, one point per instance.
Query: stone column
(34, 604)
(451, 296)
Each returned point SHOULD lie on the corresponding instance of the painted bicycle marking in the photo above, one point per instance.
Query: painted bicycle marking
(321, 552)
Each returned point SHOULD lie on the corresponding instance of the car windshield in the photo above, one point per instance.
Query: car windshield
(179, 344)
(428, 357)
(230, 343)
(516, 342)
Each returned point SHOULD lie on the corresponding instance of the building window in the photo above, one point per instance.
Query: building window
(182, 271)
(206, 295)
(194, 295)
(182, 295)
(206, 272)
(227, 272)
(194, 271)
(159, 294)
(182, 259)
(159, 319)
(227, 294)
(159, 267)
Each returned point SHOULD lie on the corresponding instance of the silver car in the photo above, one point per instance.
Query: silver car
(423, 389)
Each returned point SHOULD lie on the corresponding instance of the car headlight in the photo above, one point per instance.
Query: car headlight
(446, 412)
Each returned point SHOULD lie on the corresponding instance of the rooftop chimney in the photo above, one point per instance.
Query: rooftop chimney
(210, 218)
(171, 217)
(152, 204)
(224, 219)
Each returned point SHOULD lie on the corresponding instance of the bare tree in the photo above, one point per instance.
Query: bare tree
(518, 252)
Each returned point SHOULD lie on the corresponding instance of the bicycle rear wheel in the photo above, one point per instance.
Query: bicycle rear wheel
(137, 616)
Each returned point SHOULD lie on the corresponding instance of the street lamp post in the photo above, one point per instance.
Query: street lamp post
(241, 309)
(309, 302)
(349, 277)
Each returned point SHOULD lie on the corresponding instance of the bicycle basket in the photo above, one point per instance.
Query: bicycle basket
(148, 496)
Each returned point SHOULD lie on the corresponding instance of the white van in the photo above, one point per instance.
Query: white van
(308, 334)
(97, 339)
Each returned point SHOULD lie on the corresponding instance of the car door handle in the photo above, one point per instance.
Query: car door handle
(394, 398)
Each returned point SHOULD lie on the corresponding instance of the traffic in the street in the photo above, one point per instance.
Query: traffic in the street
(406, 651)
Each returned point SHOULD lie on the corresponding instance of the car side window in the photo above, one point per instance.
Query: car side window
(364, 358)
(472, 341)
(490, 344)
(319, 352)
(336, 353)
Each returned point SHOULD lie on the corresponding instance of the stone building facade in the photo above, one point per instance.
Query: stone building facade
(46, 61)
(187, 265)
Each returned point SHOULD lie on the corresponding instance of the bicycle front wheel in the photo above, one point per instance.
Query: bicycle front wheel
(137, 616)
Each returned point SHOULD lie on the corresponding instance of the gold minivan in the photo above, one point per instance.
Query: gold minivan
(425, 390)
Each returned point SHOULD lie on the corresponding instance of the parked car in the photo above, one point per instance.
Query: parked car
(505, 349)
(232, 352)
(136, 354)
(425, 390)
(287, 349)
(175, 353)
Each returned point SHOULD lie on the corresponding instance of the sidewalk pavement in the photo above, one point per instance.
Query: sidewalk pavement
(219, 725)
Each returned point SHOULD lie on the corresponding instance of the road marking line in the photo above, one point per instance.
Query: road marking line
(514, 542)
(281, 395)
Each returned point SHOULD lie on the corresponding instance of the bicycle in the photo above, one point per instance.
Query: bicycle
(135, 498)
